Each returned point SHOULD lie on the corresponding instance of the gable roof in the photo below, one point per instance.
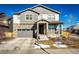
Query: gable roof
(17, 13)
(31, 9)
(41, 20)
(50, 22)
(46, 8)
(3, 16)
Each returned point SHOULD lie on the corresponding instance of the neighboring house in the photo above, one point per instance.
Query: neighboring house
(70, 28)
(73, 29)
(35, 21)
(74, 32)
(76, 26)
(3, 25)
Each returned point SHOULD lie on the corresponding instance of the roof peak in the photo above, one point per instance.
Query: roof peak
(40, 5)
(17, 13)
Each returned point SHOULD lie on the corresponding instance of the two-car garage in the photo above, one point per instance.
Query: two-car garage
(24, 33)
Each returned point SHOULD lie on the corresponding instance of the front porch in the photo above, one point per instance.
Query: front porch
(42, 28)
(47, 29)
(55, 29)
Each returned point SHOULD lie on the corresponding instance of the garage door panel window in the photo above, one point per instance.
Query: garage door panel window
(24, 29)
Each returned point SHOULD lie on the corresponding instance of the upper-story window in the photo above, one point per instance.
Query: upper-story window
(51, 17)
(28, 17)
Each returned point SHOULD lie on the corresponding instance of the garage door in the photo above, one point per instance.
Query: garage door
(24, 33)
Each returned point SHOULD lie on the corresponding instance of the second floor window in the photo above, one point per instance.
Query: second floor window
(28, 17)
(51, 17)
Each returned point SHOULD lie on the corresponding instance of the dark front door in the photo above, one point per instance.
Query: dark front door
(42, 28)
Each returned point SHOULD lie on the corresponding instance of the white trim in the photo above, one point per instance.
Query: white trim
(38, 27)
(45, 7)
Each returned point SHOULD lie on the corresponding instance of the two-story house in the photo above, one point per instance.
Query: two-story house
(35, 21)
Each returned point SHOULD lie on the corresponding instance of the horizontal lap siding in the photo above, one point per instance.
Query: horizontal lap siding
(23, 26)
(23, 17)
(25, 33)
(43, 10)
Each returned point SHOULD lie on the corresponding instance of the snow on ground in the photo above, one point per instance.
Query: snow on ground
(42, 46)
(59, 45)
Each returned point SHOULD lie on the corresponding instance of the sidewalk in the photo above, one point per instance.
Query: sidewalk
(39, 51)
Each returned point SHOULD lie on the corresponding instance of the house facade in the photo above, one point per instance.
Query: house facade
(35, 21)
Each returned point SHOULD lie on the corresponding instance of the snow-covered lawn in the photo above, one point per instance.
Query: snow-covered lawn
(59, 44)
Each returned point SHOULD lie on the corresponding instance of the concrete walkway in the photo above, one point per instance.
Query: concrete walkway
(17, 44)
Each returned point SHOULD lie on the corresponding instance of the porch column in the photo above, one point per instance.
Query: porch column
(60, 29)
(44, 29)
(37, 29)
(47, 28)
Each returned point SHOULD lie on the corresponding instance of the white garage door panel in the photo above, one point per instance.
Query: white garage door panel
(24, 33)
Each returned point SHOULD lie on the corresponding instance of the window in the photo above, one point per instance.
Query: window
(19, 29)
(51, 17)
(24, 29)
(28, 17)
(51, 27)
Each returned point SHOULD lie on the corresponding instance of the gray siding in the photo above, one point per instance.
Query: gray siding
(23, 17)
(42, 10)
(25, 33)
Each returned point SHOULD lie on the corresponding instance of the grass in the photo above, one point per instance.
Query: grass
(47, 42)
(71, 43)
(75, 44)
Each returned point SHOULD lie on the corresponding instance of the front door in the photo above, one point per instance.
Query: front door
(42, 28)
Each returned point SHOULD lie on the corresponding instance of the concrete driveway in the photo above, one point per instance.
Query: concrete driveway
(17, 44)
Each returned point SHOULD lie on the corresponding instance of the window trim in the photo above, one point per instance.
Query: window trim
(29, 17)
(51, 17)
